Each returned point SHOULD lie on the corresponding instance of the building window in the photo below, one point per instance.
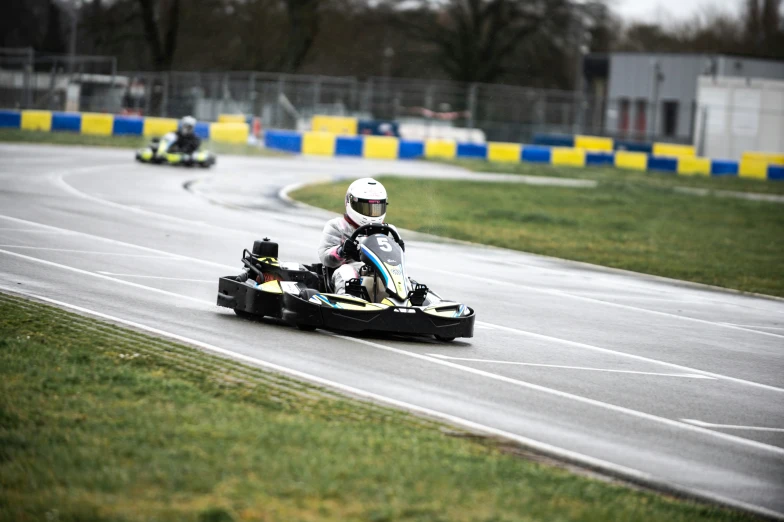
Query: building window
(641, 117)
(670, 120)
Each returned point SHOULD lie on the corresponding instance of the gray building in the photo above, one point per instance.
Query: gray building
(653, 95)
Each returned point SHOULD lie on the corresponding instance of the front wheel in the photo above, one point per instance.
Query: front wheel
(444, 339)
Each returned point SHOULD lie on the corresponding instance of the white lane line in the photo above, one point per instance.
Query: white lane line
(33, 231)
(210, 281)
(758, 326)
(90, 252)
(731, 426)
(559, 293)
(584, 346)
(501, 378)
(100, 276)
(586, 460)
(490, 361)
(122, 243)
(59, 179)
(571, 396)
(548, 338)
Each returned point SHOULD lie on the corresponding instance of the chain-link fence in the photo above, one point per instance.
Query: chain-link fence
(501, 112)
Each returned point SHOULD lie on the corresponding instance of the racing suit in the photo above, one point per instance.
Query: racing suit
(186, 143)
(335, 233)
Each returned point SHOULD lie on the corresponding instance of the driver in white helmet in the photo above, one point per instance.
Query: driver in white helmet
(187, 141)
(366, 204)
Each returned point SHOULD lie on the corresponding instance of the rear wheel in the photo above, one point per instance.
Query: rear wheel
(444, 339)
(246, 315)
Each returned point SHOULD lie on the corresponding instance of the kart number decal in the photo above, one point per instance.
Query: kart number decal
(383, 244)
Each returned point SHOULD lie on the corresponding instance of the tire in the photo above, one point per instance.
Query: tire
(305, 327)
(444, 339)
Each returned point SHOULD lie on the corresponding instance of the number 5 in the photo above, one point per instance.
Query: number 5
(383, 244)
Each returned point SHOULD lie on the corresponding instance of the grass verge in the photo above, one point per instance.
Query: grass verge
(612, 175)
(130, 142)
(622, 223)
(101, 423)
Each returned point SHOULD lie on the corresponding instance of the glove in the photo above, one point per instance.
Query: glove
(349, 250)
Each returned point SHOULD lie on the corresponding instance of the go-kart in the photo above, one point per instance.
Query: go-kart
(164, 151)
(382, 300)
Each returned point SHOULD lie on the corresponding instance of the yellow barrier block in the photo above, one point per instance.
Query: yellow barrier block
(380, 147)
(775, 158)
(504, 152)
(440, 149)
(593, 143)
(567, 156)
(231, 118)
(339, 125)
(753, 168)
(229, 132)
(37, 120)
(689, 166)
(671, 149)
(159, 126)
(631, 160)
(97, 124)
(318, 144)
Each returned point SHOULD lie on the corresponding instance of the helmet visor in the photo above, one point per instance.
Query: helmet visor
(369, 207)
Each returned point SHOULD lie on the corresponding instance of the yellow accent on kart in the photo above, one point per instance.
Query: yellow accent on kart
(200, 156)
(387, 302)
(268, 261)
(271, 287)
(174, 157)
(146, 154)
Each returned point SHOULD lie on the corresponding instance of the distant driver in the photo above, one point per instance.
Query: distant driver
(187, 142)
(366, 204)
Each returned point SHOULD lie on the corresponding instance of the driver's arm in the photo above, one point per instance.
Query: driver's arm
(331, 241)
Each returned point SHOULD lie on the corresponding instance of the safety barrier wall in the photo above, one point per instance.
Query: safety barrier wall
(116, 125)
(382, 147)
(598, 143)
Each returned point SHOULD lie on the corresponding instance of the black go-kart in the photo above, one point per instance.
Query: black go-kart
(382, 300)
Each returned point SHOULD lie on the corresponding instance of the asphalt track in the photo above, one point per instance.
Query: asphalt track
(642, 376)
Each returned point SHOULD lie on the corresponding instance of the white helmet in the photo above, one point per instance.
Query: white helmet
(366, 202)
(188, 124)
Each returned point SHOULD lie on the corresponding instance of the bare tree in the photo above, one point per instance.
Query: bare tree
(474, 38)
(303, 26)
(161, 20)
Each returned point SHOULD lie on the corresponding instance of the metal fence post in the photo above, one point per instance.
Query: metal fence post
(471, 105)
(165, 95)
(703, 126)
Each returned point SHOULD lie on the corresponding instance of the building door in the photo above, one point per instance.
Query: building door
(623, 120)
(670, 120)
(641, 117)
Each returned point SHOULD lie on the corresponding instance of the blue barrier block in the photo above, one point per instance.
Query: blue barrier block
(776, 172)
(348, 146)
(663, 164)
(471, 150)
(202, 130)
(128, 125)
(536, 154)
(634, 146)
(600, 158)
(10, 119)
(66, 121)
(724, 168)
(283, 140)
(554, 140)
(411, 149)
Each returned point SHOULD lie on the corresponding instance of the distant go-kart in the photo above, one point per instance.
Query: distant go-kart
(164, 151)
(382, 300)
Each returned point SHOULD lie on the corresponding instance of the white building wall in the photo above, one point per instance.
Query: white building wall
(738, 115)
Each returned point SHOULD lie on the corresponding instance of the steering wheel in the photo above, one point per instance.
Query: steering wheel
(369, 230)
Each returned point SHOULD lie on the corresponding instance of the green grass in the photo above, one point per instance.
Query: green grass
(99, 423)
(130, 142)
(650, 179)
(623, 223)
